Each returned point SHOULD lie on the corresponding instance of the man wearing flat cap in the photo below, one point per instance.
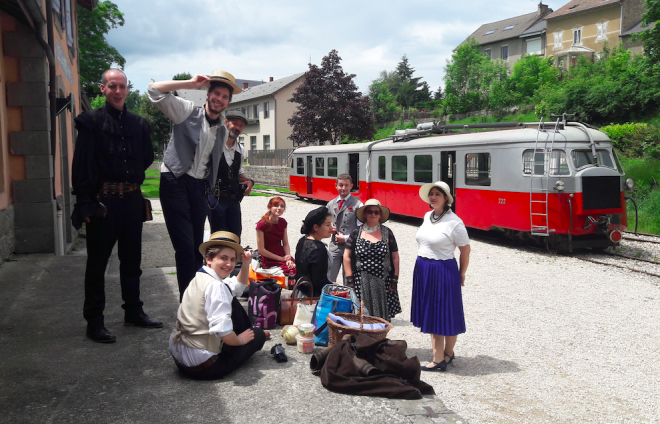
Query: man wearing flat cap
(232, 183)
(191, 163)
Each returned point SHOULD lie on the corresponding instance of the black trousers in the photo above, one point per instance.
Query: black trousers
(232, 357)
(185, 209)
(225, 215)
(123, 225)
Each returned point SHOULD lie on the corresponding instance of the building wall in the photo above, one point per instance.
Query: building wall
(275, 176)
(35, 184)
(266, 126)
(284, 111)
(515, 50)
(588, 22)
(632, 13)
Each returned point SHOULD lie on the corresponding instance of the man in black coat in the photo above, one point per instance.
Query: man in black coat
(113, 150)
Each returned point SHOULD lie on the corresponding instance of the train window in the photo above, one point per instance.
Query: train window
(320, 167)
(558, 163)
(582, 158)
(424, 169)
(381, 168)
(332, 167)
(399, 168)
(300, 166)
(477, 169)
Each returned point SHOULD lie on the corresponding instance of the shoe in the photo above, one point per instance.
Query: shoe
(267, 333)
(442, 366)
(451, 358)
(141, 320)
(100, 334)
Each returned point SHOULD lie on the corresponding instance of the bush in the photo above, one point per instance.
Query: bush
(635, 140)
(646, 192)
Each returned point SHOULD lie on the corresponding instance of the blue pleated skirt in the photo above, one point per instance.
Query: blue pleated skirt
(437, 302)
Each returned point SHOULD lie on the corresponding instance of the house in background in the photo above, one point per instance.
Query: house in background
(509, 39)
(39, 97)
(584, 27)
(268, 110)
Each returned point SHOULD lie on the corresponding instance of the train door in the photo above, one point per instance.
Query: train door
(310, 173)
(354, 170)
(447, 171)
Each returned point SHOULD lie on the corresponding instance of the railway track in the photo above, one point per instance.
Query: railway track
(628, 262)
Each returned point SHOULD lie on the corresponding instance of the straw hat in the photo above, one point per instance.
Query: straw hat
(225, 77)
(384, 212)
(222, 238)
(426, 188)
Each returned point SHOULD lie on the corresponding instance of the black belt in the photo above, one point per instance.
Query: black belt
(119, 188)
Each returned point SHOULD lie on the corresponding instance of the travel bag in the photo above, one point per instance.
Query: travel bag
(264, 303)
(331, 304)
(302, 293)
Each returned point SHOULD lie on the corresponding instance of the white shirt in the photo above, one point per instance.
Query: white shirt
(439, 241)
(178, 110)
(231, 151)
(218, 313)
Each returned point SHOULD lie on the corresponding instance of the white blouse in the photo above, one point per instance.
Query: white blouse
(218, 313)
(439, 241)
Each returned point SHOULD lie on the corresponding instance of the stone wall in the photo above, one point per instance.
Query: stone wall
(274, 176)
(7, 238)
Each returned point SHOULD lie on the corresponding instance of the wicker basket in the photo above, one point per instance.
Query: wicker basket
(337, 331)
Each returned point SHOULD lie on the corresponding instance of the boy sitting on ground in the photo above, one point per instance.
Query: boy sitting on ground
(213, 334)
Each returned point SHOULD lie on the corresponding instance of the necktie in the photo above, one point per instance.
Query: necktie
(341, 202)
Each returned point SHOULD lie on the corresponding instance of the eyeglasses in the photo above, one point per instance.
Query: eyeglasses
(372, 212)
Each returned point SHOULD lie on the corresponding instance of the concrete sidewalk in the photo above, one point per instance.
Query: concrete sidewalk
(50, 372)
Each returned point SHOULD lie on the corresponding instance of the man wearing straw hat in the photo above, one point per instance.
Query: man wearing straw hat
(191, 162)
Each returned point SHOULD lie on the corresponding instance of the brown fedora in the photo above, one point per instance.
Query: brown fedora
(222, 238)
(225, 77)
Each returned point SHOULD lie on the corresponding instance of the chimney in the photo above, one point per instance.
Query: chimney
(245, 86)
(271, 79)
(543, 8)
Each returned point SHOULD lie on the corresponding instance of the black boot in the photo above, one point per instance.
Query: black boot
(99, 334)
(141, 320)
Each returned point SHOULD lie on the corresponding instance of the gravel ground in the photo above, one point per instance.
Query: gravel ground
(550, 339)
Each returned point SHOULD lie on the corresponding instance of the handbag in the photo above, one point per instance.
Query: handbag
(329, 304)
(148, 216)
(302, 294)
(304, 314)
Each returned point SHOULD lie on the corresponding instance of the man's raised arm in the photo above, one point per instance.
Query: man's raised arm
(198, 81)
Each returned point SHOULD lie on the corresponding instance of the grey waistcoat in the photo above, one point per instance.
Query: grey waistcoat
(185, 138)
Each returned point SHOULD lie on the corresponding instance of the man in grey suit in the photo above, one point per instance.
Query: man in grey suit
(344, 220)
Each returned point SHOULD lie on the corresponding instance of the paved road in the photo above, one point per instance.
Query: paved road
(550, 339)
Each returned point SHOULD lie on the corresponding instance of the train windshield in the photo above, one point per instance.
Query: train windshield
(582, 158)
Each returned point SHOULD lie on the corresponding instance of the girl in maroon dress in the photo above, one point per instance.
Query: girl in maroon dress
(272, 240)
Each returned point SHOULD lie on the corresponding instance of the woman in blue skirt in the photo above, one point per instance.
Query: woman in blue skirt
(437, 302)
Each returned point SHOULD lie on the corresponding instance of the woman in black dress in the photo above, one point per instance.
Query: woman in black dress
(311, 253)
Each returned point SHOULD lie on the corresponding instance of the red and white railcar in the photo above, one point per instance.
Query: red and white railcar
(560, 183)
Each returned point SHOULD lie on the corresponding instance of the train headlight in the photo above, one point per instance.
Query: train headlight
(630, 183)
(559, 186)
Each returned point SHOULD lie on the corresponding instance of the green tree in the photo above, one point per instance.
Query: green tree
(529, 74)
(160, 124)
(329, 106)
(408, 90)
(96, 55)
(464, 76)
(439, 95)
(651, 37)
(182, 76)
(382, 101)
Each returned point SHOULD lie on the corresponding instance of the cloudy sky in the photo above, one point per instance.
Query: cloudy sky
(260, 39)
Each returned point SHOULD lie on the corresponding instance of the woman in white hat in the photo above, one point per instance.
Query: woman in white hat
(437, 302)
(371, 261)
